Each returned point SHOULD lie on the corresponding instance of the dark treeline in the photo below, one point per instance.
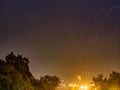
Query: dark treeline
(110, 83)
(15, 75)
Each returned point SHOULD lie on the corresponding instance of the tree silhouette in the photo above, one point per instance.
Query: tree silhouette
(15, 75)
(49, 82)
(11, 58)
(20, 63)
(110, 83)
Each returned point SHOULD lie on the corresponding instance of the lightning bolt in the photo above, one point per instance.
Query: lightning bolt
(106, 12)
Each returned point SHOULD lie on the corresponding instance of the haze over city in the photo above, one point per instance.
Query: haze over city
(66, 38)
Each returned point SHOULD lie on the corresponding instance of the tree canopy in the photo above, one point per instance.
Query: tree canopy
(15, 75)
(110, 83)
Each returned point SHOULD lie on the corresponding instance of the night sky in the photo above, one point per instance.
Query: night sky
(65, 38)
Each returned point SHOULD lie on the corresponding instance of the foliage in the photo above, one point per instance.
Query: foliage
(15, 75)
(49, 82)
(110, 83)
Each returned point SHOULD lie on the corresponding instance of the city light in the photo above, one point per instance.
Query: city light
(79, 85)
(79, 77)
(73, 85)
(64, 85)
(83, 87)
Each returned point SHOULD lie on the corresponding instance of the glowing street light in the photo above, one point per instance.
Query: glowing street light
(83, 87)
(86, 87)
(64, 85)
(79, 78)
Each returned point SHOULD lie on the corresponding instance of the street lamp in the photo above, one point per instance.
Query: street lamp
(79, 78)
